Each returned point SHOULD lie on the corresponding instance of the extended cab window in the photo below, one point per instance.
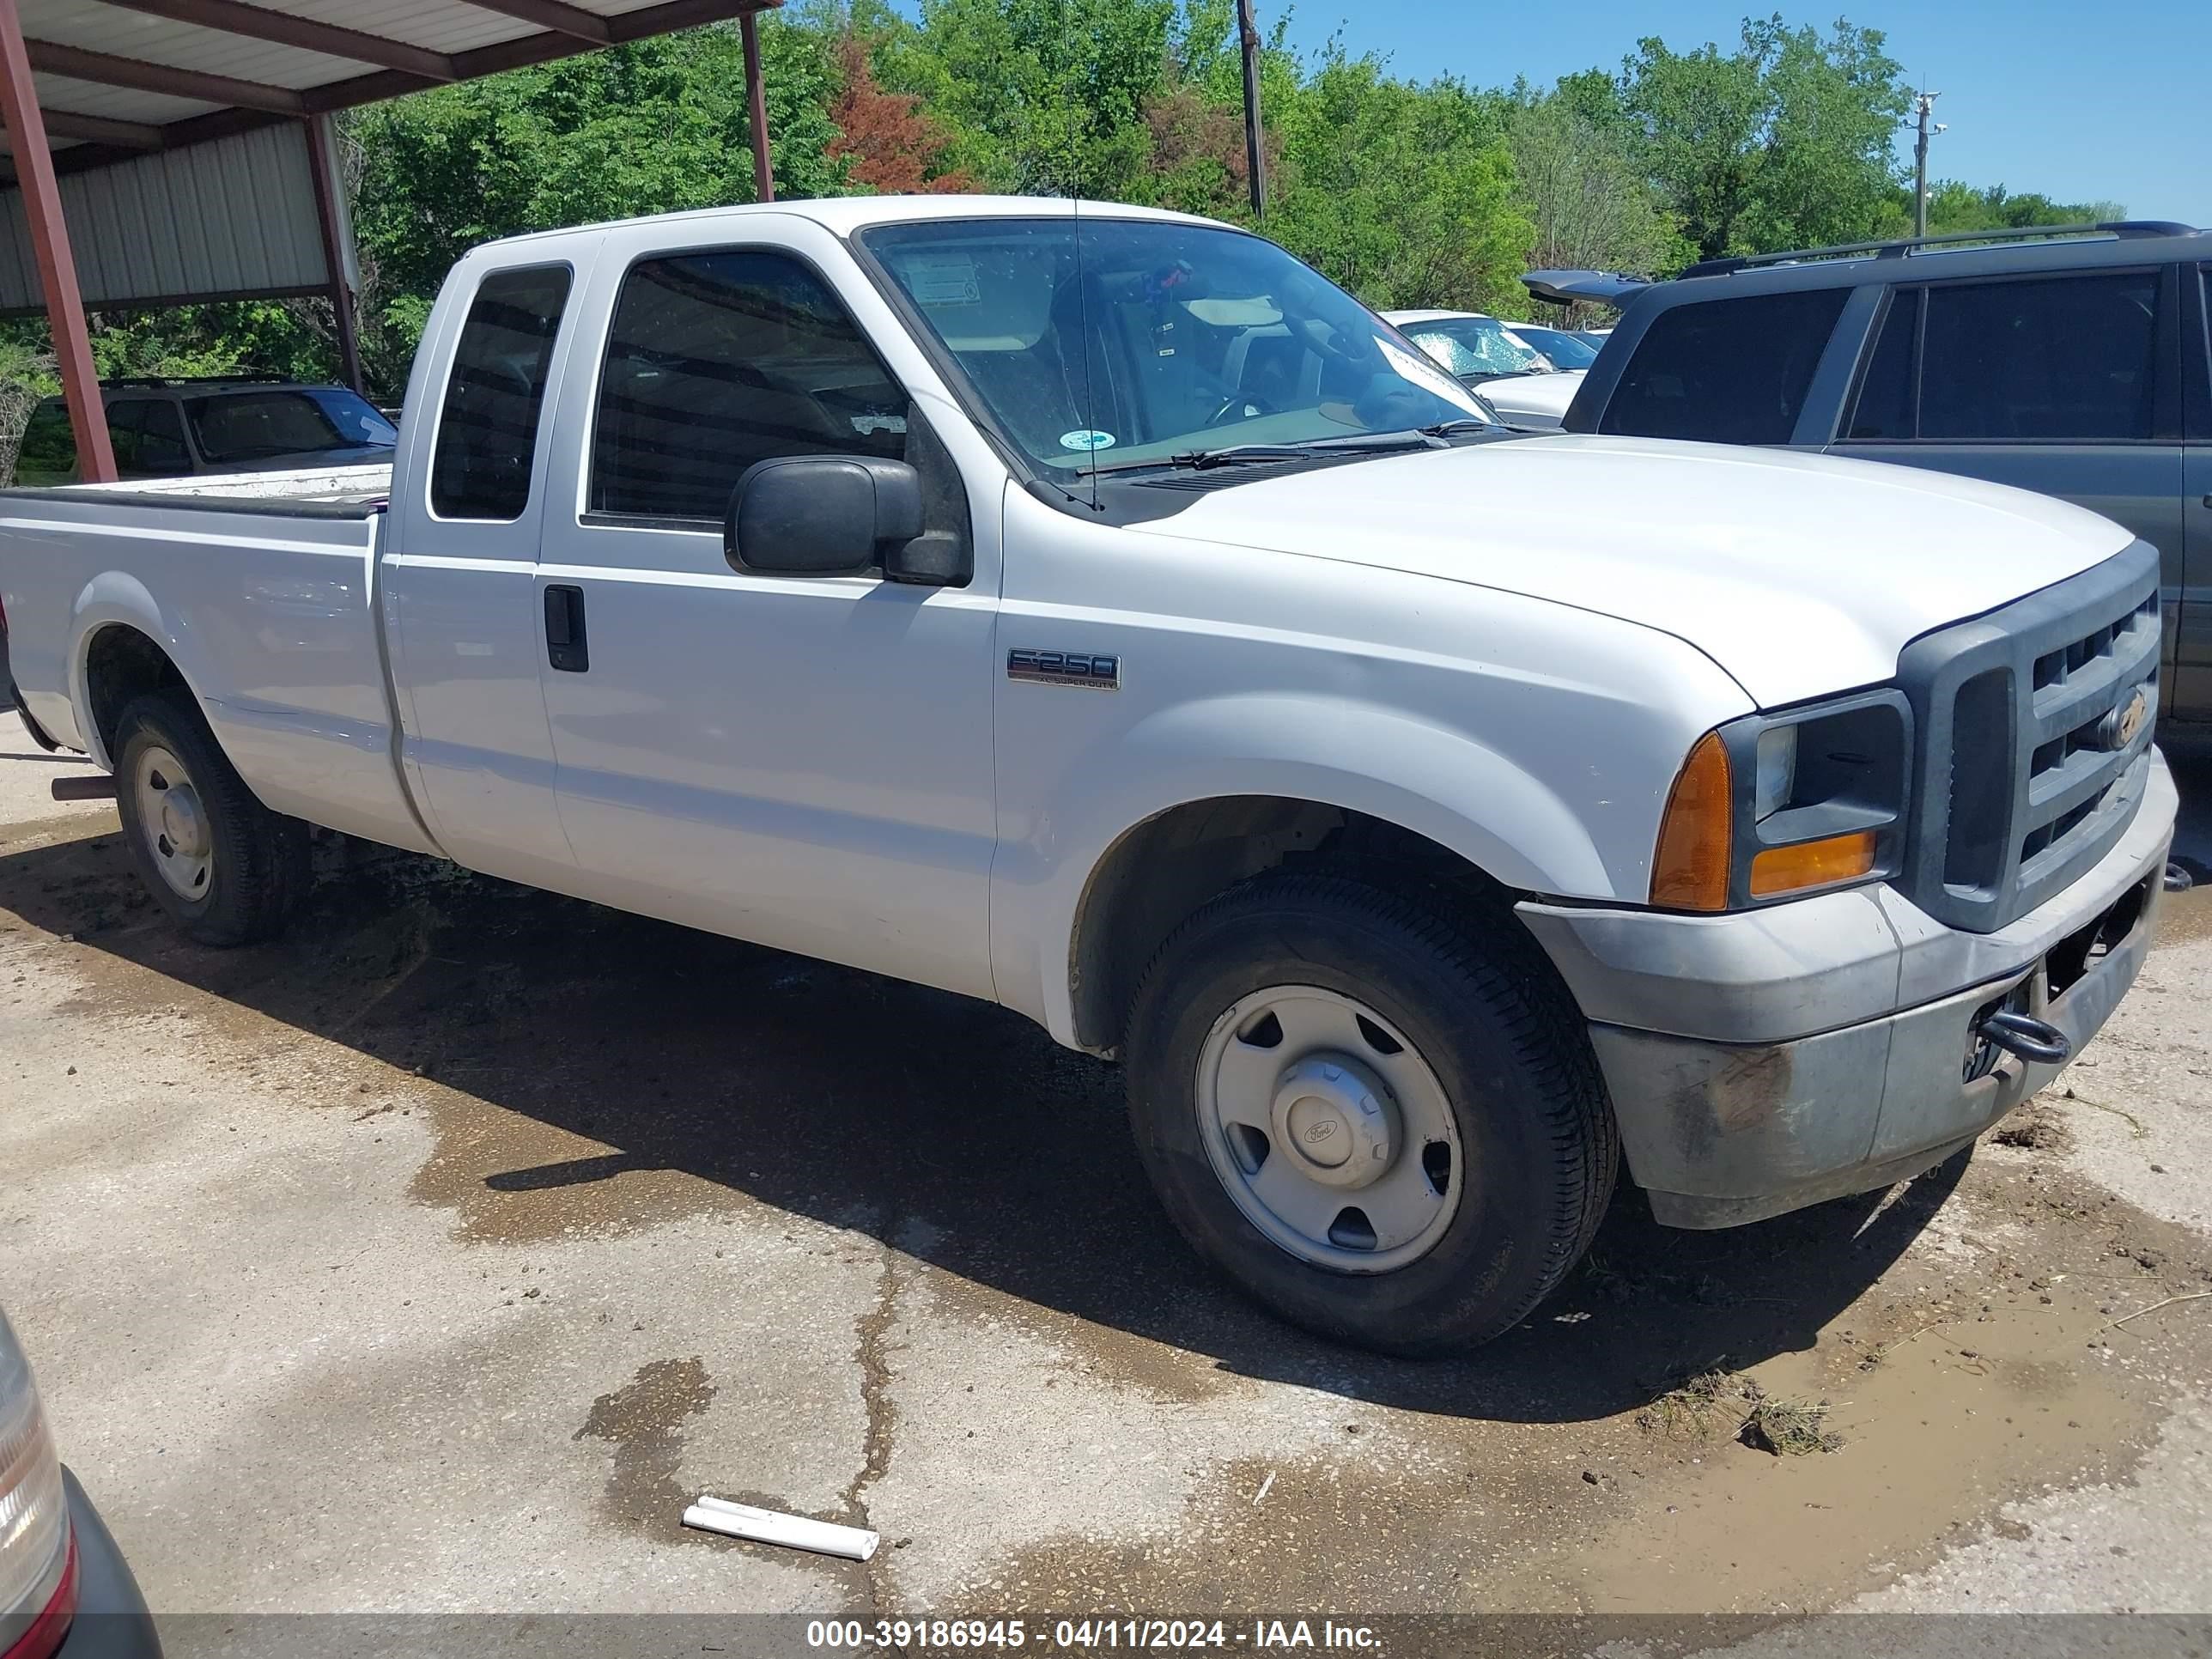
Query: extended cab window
(1727, 371)
(2070, 357)
(716, 361)
(488, 425)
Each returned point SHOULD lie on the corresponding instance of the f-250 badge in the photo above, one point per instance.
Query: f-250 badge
(1065, 668)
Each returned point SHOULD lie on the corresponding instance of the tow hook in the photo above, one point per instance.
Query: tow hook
(2179, 880)
(2024, 1037)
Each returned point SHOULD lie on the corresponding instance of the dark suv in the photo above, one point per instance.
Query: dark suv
(174, 428)
(2075, 361)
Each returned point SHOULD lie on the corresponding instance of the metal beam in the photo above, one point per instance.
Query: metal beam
(545, 47)
(323, 163)
(554, 15)
(100, 129)
(49, 57)
(756, 110)
(42, 207)
(284, 29)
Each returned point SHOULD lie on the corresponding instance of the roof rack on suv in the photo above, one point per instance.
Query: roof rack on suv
(194, 379)
(1897, 247)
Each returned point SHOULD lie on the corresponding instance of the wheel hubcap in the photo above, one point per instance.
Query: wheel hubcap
(1328, 1130)
(173, 823)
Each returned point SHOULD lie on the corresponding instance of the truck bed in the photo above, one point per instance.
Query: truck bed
(260, 587)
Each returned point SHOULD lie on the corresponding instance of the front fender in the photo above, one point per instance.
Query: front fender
(1435, 782)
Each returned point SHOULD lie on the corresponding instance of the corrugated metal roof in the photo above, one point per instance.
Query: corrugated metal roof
(233, 217)
(207, 189)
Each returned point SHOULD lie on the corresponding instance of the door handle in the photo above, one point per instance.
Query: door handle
(566, 647)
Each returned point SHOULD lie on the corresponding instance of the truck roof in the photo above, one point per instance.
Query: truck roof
(843, 214)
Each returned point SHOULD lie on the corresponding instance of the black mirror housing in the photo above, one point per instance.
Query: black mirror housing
(820, 515)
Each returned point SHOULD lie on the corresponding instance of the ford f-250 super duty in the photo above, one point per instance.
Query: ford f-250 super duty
(1095, 610)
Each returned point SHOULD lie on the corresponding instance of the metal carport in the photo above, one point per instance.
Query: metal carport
(186, 142)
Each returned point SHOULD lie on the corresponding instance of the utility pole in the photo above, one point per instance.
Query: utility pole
(1255, 163)
(1923, 105)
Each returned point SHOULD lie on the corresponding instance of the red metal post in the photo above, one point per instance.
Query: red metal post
(42, 206)
(757, 99)
(322, 162)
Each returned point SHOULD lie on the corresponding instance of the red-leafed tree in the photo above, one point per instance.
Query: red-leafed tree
(894, 147)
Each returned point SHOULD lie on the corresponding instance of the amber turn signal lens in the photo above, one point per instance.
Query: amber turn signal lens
(1690, 870)
(1811, 864)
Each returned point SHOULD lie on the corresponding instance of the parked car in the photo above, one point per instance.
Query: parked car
(1562, 347)
(1520, 382)
(165, 428)
(2075, 361)
(64, 1588)
(1106, 614)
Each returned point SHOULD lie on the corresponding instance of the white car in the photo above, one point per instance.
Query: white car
(1103, 614)
(1491, 357)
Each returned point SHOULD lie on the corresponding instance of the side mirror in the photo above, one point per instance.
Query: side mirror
(820, 515)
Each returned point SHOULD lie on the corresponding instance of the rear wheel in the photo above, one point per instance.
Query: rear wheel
(224, 865)
(1386, 1127)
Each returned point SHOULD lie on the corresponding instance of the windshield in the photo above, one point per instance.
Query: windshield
(247, 426)
(1162, 339)
(1476, 348)
(1564, 349)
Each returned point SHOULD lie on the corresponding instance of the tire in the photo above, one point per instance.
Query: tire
(1523, 1123)
(223, 865)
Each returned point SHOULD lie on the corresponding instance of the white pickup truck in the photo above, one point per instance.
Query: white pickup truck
(1096, 612)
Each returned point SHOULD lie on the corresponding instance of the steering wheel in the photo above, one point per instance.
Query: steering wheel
(1243, 407)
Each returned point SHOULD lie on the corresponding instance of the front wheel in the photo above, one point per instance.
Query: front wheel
(1386, 1130)
(222, 864)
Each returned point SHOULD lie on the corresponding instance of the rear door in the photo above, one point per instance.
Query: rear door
(460, 588)
(2062, 383)
(2192, 677)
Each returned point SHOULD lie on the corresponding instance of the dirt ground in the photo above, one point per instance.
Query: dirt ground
(430, 1259)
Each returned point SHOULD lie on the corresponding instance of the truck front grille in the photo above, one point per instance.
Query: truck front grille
(2022, 779)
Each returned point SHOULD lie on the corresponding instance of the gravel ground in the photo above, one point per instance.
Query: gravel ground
(427, 1260)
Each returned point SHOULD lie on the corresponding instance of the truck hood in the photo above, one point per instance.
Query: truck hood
(1801, 576)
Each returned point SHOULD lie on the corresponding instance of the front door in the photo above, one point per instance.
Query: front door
(804, 762)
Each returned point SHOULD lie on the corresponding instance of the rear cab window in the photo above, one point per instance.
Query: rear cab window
(1725, 371)
(487, 440)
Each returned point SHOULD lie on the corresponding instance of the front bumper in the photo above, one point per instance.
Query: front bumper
(111, 1621)
(1761, 1061)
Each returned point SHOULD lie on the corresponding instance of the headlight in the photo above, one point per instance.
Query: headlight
(1774, 806)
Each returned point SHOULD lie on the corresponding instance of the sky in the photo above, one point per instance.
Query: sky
(2104, 102)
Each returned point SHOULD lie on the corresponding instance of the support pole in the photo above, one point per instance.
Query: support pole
(1925, 103)
(757, 103)
(1255, 159)
(42, 207)
(322, 162)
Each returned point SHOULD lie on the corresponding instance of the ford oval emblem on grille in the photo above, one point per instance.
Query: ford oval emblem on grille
(2125, 724)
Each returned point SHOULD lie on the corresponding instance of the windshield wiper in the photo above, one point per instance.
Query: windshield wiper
(1454, 429)
(1199, 460)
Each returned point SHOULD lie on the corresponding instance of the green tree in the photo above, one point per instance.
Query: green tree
(1955, 206)
(654, 126)
(1789, 141)
(1592, 207)
(1403, 194)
